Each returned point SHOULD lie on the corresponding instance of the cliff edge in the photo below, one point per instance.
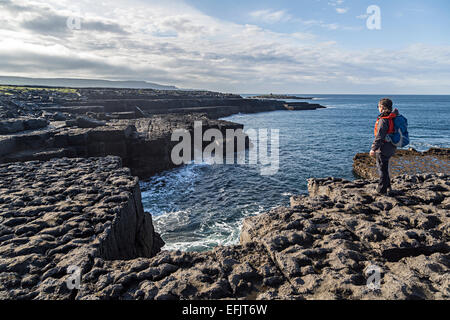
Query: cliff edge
(63, 213)
(321, 247)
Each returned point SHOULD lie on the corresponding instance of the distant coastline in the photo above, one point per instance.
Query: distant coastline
(82, 83)
(280, 96)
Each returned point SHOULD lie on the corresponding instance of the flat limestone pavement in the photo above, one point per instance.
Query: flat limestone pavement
(87, 213)
(63, 213)
(321, 247)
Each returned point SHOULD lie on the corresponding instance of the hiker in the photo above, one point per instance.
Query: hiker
(382, 149)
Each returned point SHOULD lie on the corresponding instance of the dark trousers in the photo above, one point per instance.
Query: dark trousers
(383, 171)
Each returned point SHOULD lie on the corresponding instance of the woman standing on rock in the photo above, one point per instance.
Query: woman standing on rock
(381, 149)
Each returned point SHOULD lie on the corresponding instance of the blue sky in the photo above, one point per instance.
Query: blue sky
(403, 21)
(246, 46)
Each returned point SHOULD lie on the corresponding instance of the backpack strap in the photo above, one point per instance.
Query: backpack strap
(391, 128)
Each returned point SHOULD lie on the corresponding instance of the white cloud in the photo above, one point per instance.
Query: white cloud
(341, 10)
(179, 45)
(319, 23)
(335, 3)
(271, 16)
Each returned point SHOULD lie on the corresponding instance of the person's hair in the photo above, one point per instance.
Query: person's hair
(386, 104)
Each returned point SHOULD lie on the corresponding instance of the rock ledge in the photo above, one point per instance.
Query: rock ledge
(67, 212)
(319, 248)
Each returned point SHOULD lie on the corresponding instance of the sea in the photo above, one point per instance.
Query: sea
(200, 205)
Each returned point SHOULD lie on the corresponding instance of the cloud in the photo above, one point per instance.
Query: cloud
(335, 3)
(177, 44)
(183, 25)
(268, 16)
(12, 6)
(271, 16)
(55, 24)
(101, 26)
(341, 10)
(32, 59)
(319, 23)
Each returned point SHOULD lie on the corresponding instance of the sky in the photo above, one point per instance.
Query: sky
(238, 46)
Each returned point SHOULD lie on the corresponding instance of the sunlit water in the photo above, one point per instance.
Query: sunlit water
(199, 206)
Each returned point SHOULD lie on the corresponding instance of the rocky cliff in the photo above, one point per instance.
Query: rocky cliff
(143, 144)
(72, 207)
(320, 247)
(136, 125)
(67, 212)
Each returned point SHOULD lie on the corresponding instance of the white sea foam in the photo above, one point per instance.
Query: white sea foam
(220, 233)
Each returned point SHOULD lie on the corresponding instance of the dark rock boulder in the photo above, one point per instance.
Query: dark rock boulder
(67, 212)
(338, 243)
(409, 162)
(85, 122)
(8, 126)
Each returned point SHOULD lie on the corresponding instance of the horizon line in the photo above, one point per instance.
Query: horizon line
(189, 89)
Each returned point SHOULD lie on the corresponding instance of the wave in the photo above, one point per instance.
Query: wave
(208, 232)
(221, 233)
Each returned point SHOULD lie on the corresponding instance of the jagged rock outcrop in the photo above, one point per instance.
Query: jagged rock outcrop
(85, 122)
(296, 106)
(150, 149)
(14, 125)
(225, 272)
(409, 161)
(136, 125)
(134, 103)
(67, 212)
(87, 213)
(144, 144)
(319, 248)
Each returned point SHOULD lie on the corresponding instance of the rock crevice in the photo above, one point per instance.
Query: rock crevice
(67, 212)
(321, 247)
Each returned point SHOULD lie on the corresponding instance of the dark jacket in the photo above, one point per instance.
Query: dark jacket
(379, 144)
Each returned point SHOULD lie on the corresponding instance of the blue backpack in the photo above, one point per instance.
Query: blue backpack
(400, 137)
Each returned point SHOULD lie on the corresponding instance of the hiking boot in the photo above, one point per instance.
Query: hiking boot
(381, 191)
(387, 193)
(392, 193)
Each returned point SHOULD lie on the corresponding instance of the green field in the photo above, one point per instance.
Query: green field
(5, 88)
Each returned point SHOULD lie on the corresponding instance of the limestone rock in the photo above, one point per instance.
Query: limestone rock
(67, 212)
(409, 162)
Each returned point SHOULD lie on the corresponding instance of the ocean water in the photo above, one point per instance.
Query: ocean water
(199, 206)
